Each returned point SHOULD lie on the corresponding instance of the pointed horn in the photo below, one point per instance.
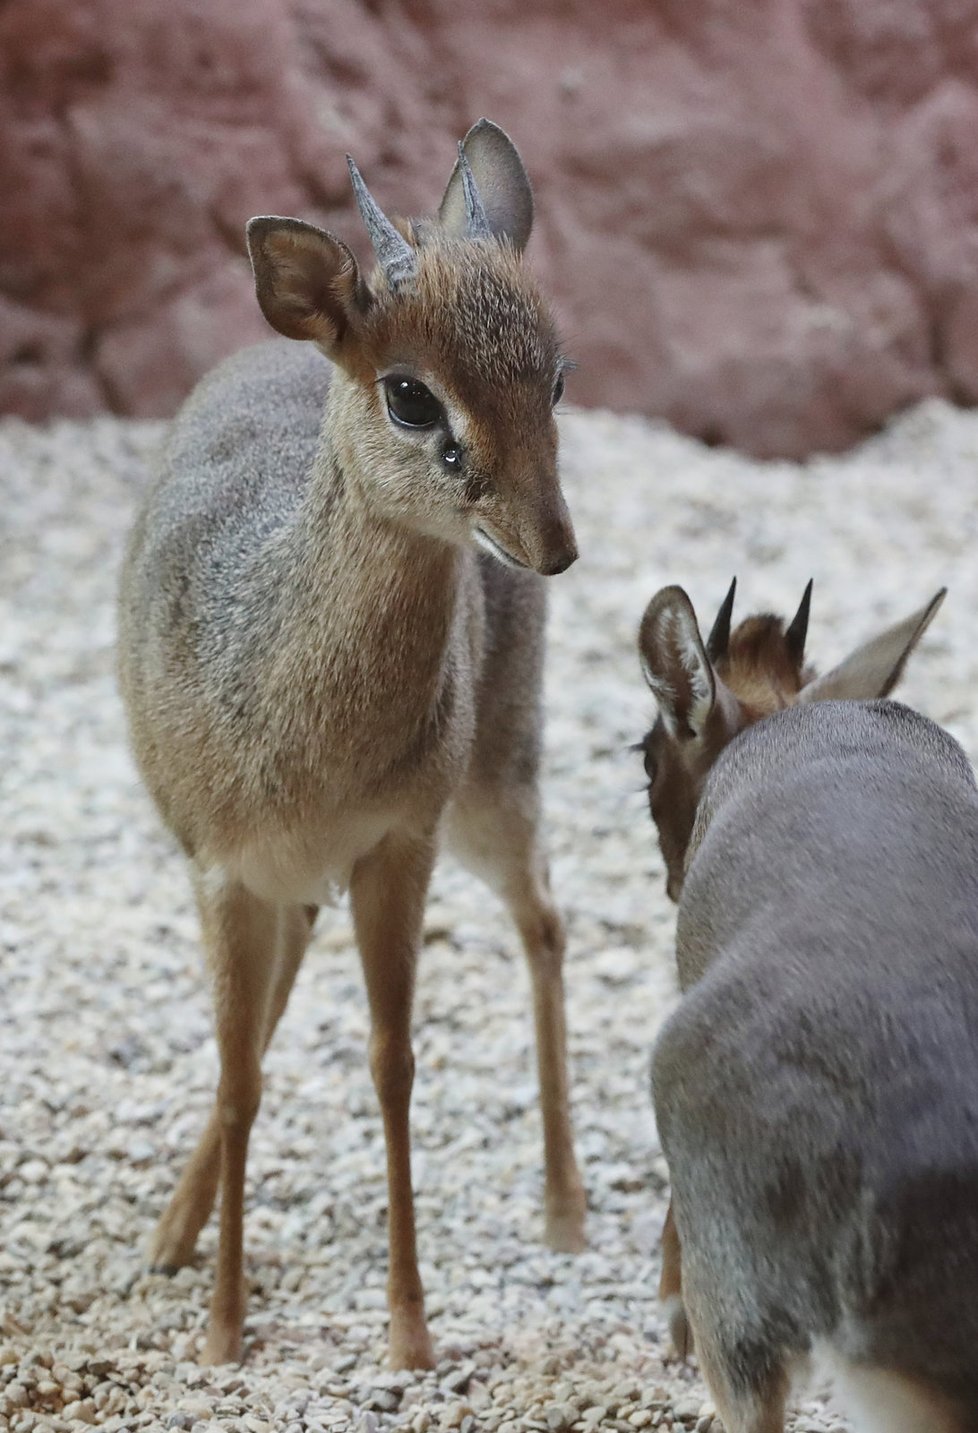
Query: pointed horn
(719, 638)
(798, 631)
(394, 253)
(478, 222)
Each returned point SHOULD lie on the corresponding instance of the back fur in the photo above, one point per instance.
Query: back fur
(824, 1157)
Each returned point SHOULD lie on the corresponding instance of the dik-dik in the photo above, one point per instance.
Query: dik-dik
(322, 674)
(816, 1090)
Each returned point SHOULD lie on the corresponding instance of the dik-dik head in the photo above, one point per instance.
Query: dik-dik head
(708, 693)
(452, 362)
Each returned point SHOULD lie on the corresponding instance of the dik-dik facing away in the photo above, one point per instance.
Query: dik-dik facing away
(816, 1090)
(322, 674)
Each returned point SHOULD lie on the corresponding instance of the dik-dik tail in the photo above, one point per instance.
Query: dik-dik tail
(816, 1090)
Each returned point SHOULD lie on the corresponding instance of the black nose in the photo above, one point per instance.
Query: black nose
(558, 564)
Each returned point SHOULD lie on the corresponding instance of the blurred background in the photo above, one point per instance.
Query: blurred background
(758, 218)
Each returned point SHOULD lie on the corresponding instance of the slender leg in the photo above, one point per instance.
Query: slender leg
(543, 940)
(671, 1287)
(494, 833)
(193, 1199)
(189, 1209)
(388, 893)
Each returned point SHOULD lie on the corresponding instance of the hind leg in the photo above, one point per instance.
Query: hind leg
(747, 1379)
(494, 833)
(193, 1199)
(671, 1287)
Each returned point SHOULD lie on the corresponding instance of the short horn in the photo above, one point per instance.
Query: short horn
(798, 631)
(719, 638)
(478, 226)
(394, 253)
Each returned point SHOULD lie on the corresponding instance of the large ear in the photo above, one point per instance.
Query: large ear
(308, 282)
(501, 182)
(874, 669)
(675, 663)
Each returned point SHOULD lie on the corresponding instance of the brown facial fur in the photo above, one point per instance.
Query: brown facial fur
(480, 334)
(756, 677)
(756, 671)
(472, 313)
(759, 669)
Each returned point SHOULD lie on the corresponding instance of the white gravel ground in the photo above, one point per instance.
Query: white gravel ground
(107, 1063)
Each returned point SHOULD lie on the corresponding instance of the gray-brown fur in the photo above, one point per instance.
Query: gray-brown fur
(322, 673)
(816, 1091)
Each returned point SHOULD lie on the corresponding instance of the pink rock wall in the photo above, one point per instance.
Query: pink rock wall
(758, 218)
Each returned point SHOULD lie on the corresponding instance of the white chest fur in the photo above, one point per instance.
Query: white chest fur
(312, 868)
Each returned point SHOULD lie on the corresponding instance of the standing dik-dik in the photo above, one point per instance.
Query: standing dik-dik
(816, 1090)
(321, 672)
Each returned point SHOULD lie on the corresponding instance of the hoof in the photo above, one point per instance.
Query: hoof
(410, 1343)
(223, 1345)
(167, 1254)
(565, 1225)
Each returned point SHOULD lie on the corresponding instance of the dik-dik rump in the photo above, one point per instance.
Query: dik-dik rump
(322, 673)
(816, 1090)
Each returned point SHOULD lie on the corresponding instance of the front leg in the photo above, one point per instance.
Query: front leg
(388, 893)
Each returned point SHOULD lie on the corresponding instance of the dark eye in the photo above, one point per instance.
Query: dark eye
(649, 759)
(451, 456)
(558, 389)
(411, 404)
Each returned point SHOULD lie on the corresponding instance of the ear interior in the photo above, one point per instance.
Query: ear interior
(308, 283)
(874, 669)
(675, 663)
(502, 184)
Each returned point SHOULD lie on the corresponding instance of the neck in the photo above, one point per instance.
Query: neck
(361, 569)
(370, 617)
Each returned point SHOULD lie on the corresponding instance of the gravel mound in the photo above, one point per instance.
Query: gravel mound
(107, 1063)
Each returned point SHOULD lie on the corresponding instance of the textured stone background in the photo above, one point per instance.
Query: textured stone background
(760, 219)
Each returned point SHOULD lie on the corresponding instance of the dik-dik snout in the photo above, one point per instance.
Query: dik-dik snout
(522, 517)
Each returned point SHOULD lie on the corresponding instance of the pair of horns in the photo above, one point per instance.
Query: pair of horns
(395, 255)
(718, 642)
